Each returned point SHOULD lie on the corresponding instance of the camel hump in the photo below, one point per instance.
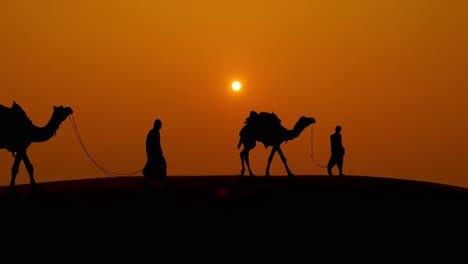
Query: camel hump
(268, 118)
(262, 118)
(257, 122)
(13, 116)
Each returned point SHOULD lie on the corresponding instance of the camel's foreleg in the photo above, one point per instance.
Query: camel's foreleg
(283, 159)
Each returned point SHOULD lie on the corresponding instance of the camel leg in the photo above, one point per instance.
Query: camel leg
(30, 169)
(283, 158)
(270, 159)
(246, 156)
(15, 169)
(242, 155)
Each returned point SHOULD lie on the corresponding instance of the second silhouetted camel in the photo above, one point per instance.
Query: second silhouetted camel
(266, 128)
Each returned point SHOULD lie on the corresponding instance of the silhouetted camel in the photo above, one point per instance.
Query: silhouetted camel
(266, 128)
(17, 132)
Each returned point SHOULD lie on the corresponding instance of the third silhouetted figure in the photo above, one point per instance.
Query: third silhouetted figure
(156, 164)
(337, 152)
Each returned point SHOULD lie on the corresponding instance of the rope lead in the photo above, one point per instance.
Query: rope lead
(312, 147)
(108, 172)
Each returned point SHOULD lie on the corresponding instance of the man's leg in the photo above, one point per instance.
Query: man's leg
(340, 165)
(147, 174)
(331, 163)
(164, 164)
(161, 169)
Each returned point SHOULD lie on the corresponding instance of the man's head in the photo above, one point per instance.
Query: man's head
(338, 129)
(157, 124)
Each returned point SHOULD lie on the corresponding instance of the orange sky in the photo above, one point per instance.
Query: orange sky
(393, 74)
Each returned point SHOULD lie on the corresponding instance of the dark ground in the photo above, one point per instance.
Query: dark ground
(236, 218)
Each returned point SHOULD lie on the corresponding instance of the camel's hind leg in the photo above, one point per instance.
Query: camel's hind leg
(15, 169)
(248, 162)
(242, 155)
(270, 159)
(245, 157)
(30, 169)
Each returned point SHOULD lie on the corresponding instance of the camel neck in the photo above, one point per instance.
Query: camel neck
(295, 132)
(41, 134)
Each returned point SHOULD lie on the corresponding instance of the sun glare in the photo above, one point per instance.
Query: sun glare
(236, 86)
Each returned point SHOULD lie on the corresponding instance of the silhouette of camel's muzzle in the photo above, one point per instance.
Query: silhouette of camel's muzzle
(310, 120)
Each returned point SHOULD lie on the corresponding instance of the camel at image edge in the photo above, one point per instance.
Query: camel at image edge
(17, 132)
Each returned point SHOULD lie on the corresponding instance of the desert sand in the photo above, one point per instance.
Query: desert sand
(236, 218)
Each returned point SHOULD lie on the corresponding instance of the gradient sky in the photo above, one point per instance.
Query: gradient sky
(393, 74)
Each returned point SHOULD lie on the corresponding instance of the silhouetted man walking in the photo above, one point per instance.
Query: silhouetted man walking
(337, 152)
(249, 128)
(156, 164)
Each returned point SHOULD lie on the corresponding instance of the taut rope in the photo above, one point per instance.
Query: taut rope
(108, 172)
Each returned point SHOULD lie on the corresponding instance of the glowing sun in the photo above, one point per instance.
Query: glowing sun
(236, 86)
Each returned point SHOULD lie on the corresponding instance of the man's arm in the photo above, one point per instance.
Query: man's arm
(341, 143)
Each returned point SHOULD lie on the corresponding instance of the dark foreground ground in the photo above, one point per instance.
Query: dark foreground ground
(236, 218)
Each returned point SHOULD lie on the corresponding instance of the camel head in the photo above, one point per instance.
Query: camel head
(304, 122)
(61, 113)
